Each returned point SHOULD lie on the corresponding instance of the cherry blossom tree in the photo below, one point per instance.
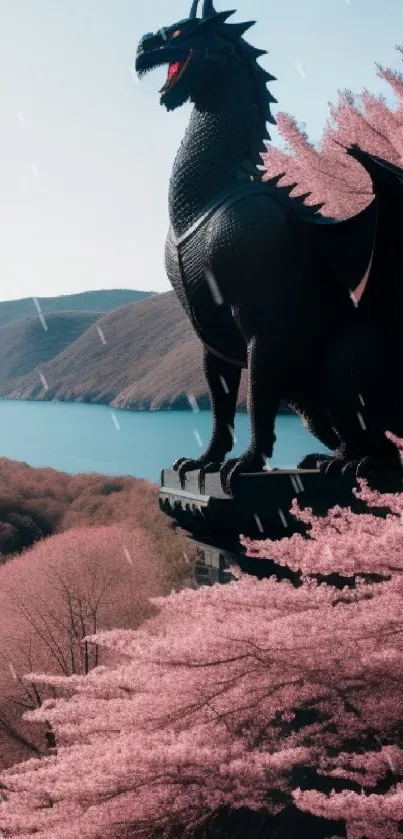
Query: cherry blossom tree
(326, 172)
(67, 587)
(258, 695)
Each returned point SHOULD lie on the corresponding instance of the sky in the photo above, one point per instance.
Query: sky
(86, 150)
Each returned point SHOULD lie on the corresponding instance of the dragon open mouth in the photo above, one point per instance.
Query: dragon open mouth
(175, 71)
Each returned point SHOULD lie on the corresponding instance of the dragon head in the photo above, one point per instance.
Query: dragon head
(197, 51)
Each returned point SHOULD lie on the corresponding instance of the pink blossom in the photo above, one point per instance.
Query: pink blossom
(326, 171)
(192, 718)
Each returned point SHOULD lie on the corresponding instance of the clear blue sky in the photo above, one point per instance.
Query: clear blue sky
(86, 151)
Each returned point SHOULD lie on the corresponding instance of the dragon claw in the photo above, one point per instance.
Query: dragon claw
(228, 472)
(186, 464)
(211, 466)
(370, 467)
(333, 466)
(238, 466)
(176, 464)
(313, 461)
(339, 466)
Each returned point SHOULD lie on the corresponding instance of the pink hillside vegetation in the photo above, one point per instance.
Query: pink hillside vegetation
(254, 694)
(68, 586)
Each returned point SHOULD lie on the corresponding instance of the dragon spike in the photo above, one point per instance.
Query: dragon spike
(238, 29)
(208, 8)
(289, 188)
(193, 11)
(256, 53)
(301, 198)
(271, 98)
(316, 207)
(212, 22)
(268, 76)
(275, 179)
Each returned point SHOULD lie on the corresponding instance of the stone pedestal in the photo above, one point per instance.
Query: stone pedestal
(259, 509)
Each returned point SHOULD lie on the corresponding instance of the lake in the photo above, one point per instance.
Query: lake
(74, 437)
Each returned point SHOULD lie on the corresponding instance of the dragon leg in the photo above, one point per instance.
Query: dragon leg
(307, 403)
(266, 373)
(223, 381)
(317, 422)
(363, 397)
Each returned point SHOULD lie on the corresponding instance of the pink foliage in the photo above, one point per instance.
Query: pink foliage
(75, 583)
(343, 542)
(367, 122)
(207, 706)
(68, 586)
(394, 79)
(327, 172)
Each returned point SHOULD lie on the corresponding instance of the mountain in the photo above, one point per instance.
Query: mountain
(142, 356)
(28, 343)
(101, 301)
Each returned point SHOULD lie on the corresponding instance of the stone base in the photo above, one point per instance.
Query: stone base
(260, 509)
(260, 506)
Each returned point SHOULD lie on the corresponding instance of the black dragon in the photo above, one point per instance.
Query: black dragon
(268, 283)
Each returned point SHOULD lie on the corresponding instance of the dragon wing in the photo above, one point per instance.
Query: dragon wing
(365, 252)
(383, 297)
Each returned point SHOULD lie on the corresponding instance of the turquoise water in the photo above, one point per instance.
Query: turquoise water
(95, 438)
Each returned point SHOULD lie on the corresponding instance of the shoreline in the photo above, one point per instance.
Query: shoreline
(180, 404)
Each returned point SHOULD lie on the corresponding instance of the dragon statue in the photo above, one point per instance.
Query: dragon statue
(268, 283)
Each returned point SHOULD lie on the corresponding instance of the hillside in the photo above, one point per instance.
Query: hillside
(101, 301)
(56, 527)
(145, 357)
(26, 345)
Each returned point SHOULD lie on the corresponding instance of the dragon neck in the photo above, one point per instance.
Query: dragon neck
(222, 144)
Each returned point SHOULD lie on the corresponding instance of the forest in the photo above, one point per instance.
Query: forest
(135, 706)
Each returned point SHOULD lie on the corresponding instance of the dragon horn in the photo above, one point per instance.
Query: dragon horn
(193, 11)
(208, 8)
